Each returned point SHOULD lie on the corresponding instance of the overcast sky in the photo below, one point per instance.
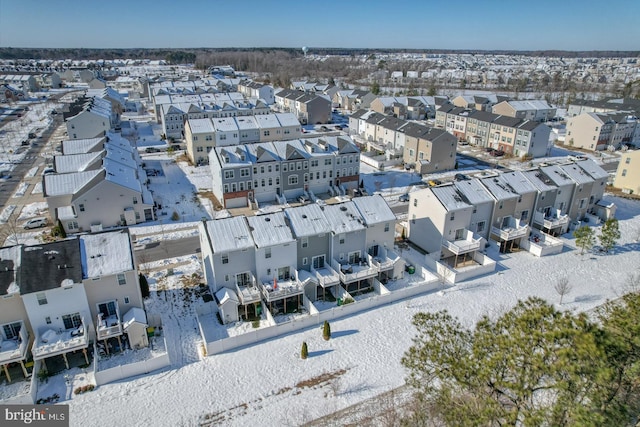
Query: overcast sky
(425, 24)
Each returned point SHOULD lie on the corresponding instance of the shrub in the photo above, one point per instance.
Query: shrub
(144, 285)
(255, 324)
(175, 216)
(347, 301)
(326, 331)
(304, 353)
(43, 374)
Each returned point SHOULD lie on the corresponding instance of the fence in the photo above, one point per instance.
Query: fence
(315, 317)
(132, 369)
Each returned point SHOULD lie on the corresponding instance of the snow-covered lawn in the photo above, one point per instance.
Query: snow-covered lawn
(33, 210)
(263, 383)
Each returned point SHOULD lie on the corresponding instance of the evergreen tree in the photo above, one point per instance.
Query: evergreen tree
(585, 238)
(375, 88)
(304, 353)
(144, 285)
(326, 331)
(609, 234)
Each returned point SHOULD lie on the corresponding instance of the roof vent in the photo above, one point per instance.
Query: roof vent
(343, 208)
(267, 219)
(304, 217)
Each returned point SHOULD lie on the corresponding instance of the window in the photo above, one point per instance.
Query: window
(627, 160)
(284, 167)
(524, 215)
(415, 202)
(453, 216)
(201, 149)
(262, 181)
(386, 226)
(72, 321)
(42, 298)
(327, 162)
(293, 179)
(126, 300)
(135, 200)
(122, 280)
(298, 165)
(267, 253)
(270, 181)
(226, 188)
(228, 174)
(11, 330)
(225, 259)
(624, 172)
(354, 257)
(305, 261)
(81, 207)
(223, 137)
(304, 242)
(72, 225)
(48, 320)
(318, 261)
(266, 133)
(480, 227)
(341, 238)
(244, 172)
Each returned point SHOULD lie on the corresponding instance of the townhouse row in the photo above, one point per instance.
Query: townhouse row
(249, 174)
(515, 136)
(308, 107)
(318, 251)
(422, 147)
(57, 299)
(98, 183)
(201, 135)
(452, 222)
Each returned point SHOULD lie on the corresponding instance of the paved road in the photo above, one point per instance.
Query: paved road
(167, 249)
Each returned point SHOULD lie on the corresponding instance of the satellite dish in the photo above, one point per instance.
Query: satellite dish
(305, 50)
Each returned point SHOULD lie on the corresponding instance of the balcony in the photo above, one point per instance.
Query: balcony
(49, 342)
(274, 290)
(109, 326)
(511, 229)
(385, 259)
(550, 222)
(468, 243)
(355, 271)
(15, 349)
(248, 293)
(326, 276)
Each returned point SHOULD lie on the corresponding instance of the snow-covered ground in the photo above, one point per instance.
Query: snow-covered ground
(268, 384)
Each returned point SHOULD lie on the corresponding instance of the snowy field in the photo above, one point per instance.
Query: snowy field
(262, 383)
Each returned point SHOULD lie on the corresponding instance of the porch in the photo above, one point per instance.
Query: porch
(49, 343)
(465, 241)
(13, 353)
(248, 296)
(109, 324)
(509, 234)
(551, 222)
(356, 270)
(283, 296)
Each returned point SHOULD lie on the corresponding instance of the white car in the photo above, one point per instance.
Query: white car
(35, 223)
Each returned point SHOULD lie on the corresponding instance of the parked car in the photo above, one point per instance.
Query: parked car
(434, 182)
(404, 197)
(303, 199)
(338, 127)
(35, 223)
(461, 177)
(324, 128)
(151, 150)
(497, 153)
(47, 171)
(32, 135)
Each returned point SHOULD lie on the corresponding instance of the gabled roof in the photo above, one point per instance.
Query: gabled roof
(308, 220)
(473, 191)
(346, 146)
(294, 153)
(500, 188)
(449, 197)
(77, 162)
(134, 315)
(344, 218)
(518, 182)
(225, 295)
(270, 230)
(557, 175)
(576, 173)
(104, 254)
(229, 234)
(593, 169)
(68, 183)
(77, 146)
(10, 259)
(540, 180)
(374, 209)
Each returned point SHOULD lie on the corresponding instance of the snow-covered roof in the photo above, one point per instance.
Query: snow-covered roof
(229, 234)
(557, 175)
(267, 121)
(344, 218)
(287, 119)
(593, 169)
(449, 196)
(576, 173)
(201, 126)
(105, 254)
(246, 122)
(78, 146)
(270, 230)
(76, 162)
(121, 175)
(539, 180)
(134, 315)
(499, 187)
(518, 182)
(67, 183)
(308, 220)
(473, 191)
(374, 209)
(224, 124)
(225, 295)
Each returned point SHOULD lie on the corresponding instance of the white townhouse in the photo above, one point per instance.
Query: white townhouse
(276, 262)
(380, 222)
(546, 216)
(95, 119)
(348, 248)
(229, 262)
(474, 193)
(252, 89)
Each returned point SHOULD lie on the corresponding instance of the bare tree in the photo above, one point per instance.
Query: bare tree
(562, 287)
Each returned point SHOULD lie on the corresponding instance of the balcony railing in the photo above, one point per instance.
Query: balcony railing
(385, 259)
(248, 293)
(281, 289)
(555, 220)
(514, 229)
(51, 343)
(468, 243)
(14, 350)
(109, 327)
(363, 269)
(326, 276)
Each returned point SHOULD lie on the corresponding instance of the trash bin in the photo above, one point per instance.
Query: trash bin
(411, 269)
(339, 301)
